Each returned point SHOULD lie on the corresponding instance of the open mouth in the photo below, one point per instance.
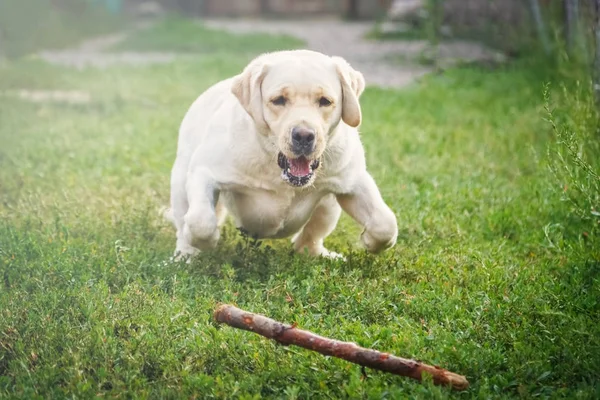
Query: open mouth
(297, 171)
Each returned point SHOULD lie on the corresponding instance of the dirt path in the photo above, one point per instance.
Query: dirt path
(391, 63)
(388, 64)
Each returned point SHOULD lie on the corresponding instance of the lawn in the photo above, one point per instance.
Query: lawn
(493, 276)
(31, 25)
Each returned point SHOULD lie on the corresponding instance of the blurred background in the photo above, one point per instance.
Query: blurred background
(508, 24)
(511, 27)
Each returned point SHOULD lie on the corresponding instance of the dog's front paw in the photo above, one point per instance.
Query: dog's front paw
(201, 231)
(378, 240)
(332, 255)
(318, 251)
(201, 238)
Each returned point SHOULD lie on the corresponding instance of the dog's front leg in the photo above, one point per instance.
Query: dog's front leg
(200, 222)
(365, 204)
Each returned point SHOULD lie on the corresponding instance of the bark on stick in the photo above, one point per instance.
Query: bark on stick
(287, 334)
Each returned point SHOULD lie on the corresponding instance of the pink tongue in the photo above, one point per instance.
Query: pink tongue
(299, 167)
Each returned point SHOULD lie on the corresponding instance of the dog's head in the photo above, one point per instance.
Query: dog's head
(297, 99)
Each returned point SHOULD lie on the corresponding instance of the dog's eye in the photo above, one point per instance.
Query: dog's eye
(324, 102)
(279, 101)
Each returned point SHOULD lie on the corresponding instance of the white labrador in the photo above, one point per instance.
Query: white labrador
(277, 147)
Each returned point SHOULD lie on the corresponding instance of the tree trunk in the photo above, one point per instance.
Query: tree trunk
(571, 24)
(286, 335)
(539, 25)
(597, 51)
(264, 7)
(352, 9)
(435, 20)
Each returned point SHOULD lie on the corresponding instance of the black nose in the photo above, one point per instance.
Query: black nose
(303, 141)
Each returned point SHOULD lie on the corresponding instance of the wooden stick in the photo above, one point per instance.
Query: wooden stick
(286, 335)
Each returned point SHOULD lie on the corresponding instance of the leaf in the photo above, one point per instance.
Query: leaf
(543, 376)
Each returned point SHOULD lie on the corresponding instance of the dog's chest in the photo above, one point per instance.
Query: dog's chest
(270, 215)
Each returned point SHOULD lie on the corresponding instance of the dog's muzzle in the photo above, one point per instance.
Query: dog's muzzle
(297, 171)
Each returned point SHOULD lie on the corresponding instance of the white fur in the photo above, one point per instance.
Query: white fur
(227, 158)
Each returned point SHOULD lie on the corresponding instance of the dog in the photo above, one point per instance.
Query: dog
(277, 147)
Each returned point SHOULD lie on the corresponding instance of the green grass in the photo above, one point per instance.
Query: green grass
(176, 34)
(492, 276)
(27, 26)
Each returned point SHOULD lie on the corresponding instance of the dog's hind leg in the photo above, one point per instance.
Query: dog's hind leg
(221, 212)
(322, 222)
(179, 207)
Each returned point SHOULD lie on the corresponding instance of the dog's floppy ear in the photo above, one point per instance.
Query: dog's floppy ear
(353, 84)
(247, 88)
